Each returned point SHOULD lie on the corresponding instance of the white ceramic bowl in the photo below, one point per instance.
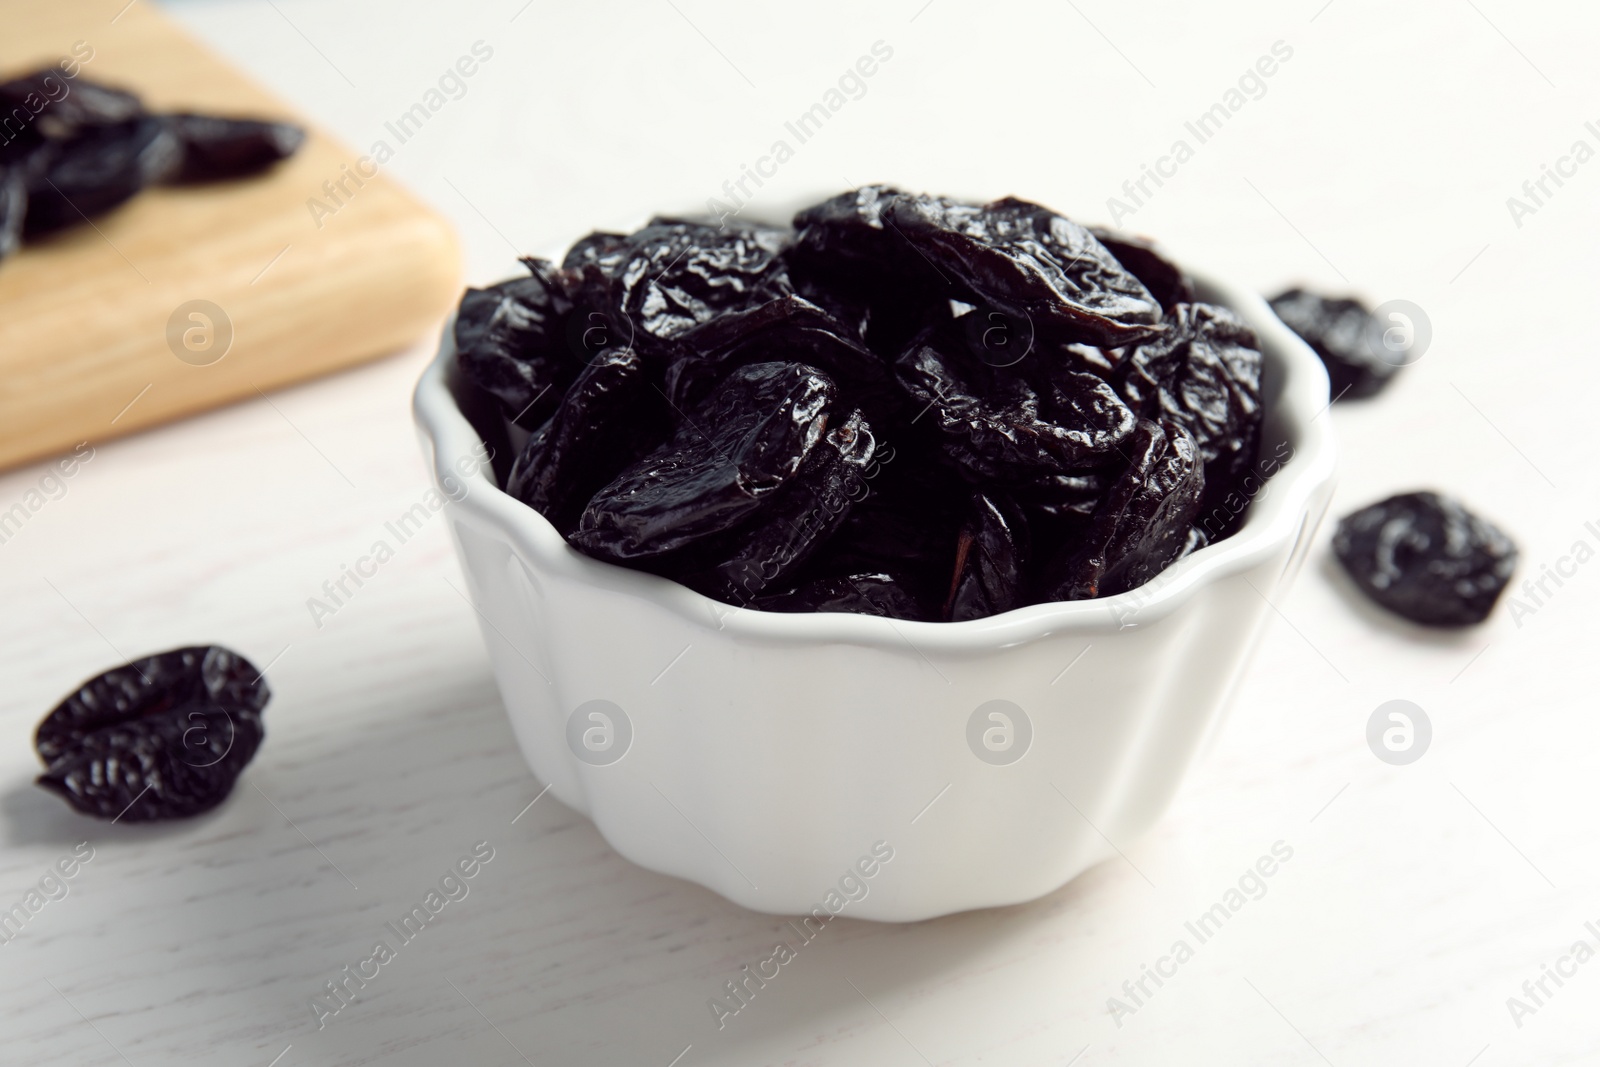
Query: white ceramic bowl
(778, 758)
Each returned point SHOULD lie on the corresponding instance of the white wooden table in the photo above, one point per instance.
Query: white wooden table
(1418, 899)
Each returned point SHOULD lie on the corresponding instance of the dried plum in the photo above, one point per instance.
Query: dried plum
(997, 424)
(675, 274)
(163, 737)
(609, 416)
(1205, 375)
(1144, 522)
(99, 169)
(787, 529)
(509, 343)
(58, 108)
(907, 405)
(729, 456)
(1425, 557)
(991, 560)
(1026, 258)
(787, 329)
(217, 148)
(1166, 282)
(13, 208)
(1340, 331)
(82, 149)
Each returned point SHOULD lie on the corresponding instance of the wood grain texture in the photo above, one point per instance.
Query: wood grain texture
(84, 329)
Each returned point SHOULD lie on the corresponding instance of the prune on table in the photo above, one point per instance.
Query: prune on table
(60, 109)
(216, 148)
(611, 414)
(768, 548)
(163, 737)
(991, 560)
(99, 169)
(509, 343)
(999, 424)
(1143, 524)
(1025, 258)
(906, 406)
(1165, 280)
(1341, 332)
(859, 594)
(1425, 557)
(728, 457)
(1205, 375)
(13, 208)
(82, 149)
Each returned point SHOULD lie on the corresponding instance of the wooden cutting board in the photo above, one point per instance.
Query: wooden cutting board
(100, 332)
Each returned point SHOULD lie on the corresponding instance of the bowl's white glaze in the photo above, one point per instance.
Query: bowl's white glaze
(764, 755)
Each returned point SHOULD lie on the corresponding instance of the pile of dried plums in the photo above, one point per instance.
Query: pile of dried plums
(905, 406)
(71, 149)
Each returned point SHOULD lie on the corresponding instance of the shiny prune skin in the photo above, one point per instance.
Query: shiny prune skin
(163, 737)
(1205, 375)
(98, 170)
(959, 408)
(998, 424)
(991, 560)
(611, 414)
(770, 547)
(728, 457)
(1144, 522)
(860, 594)
(216, 148)
(675, 274)
(1340, 331)
(79, 149)
(1425, 557)
(786, 329)
(509, 343)
(1165, 280)
(1020, 256)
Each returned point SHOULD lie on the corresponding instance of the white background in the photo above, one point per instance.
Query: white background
(1419, 898)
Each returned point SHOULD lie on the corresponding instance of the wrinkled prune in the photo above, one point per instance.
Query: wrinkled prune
(218, 148)
(730, 455)
(1166, 282)
(59, 109)
(675, 274)
(162, 738)
(859, 594)
(1341, 332)
(1426, 557)
(767, 549)
(509, 343)
(788, 329)
(908, 406)
(82, 149)
(997, 424)
(1204, 375)
(991, 561)
(99, 169)
(610, 414)
(1026, 258)
(1143, 523)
